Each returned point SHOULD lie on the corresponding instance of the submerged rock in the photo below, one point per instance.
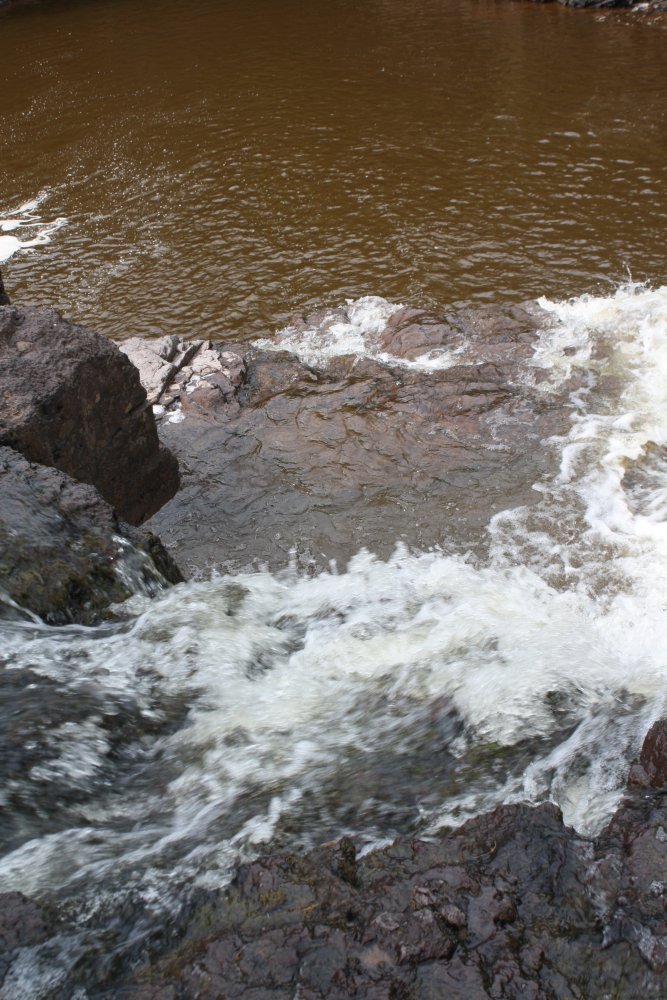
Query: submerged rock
(358, 451)
(72, 400)
(64, 555)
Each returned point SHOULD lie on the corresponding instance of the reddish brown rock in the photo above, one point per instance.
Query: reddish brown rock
(512, 904)
(361, 453)
(651, 770)
(70, 399)
(653, 757)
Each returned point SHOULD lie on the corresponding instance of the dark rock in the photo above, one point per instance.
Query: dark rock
(651, 770)
(347, 862)
(4, 298)
(22, 924)
(645, 6)
(511, 904)
(275, 453)
(62, 546)
(72, 400)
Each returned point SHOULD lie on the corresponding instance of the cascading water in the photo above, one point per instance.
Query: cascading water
(224, 718)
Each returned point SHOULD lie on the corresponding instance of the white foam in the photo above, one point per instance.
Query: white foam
(355, 330)
(560, 639)
(26, 217)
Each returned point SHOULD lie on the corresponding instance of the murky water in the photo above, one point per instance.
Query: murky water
(211, 172)
(223, 165)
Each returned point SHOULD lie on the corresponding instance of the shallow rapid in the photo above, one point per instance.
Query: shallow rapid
(228, 717)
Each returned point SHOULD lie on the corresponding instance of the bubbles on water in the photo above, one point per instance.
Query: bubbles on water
(399, 695)
(352, 329)
(26, 218)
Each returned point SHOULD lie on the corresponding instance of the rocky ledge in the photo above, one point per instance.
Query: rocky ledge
(278, 454)
(513, 904)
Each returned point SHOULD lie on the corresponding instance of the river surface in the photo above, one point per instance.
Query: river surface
(212, 170)
(223, 164)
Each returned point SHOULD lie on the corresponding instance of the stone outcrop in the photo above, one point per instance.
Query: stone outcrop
(512, 904)
(70, 399)
(64, 555)
(177, 372)
(276, 453)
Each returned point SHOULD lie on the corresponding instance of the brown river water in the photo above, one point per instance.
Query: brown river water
(208, 169)
(222, 164)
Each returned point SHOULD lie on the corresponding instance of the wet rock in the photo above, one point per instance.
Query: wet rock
(512, 904)
(651, 770)
(488, 333)
(64, 554)
(640, 5)
(22, 924)
(277, 454)
(72, 400)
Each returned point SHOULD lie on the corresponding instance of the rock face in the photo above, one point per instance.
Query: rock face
(651, 770)
(62, 546)
(276, 453)
(72, 400)
(512, 904)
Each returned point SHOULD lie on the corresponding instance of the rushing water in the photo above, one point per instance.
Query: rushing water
(255, 711)
(212, 170)
(225, 163)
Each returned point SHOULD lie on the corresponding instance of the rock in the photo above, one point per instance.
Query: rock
(511, 904)
(159, 361)
(4, 298)
(22, 924)
(651, 770)
(276, 453)
(176, 372)
(64, 555)
(72, 400)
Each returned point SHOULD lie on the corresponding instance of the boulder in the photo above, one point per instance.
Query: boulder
(70, 399)
(64, 555)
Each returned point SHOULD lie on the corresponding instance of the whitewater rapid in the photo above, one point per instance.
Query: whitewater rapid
(382, 696)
